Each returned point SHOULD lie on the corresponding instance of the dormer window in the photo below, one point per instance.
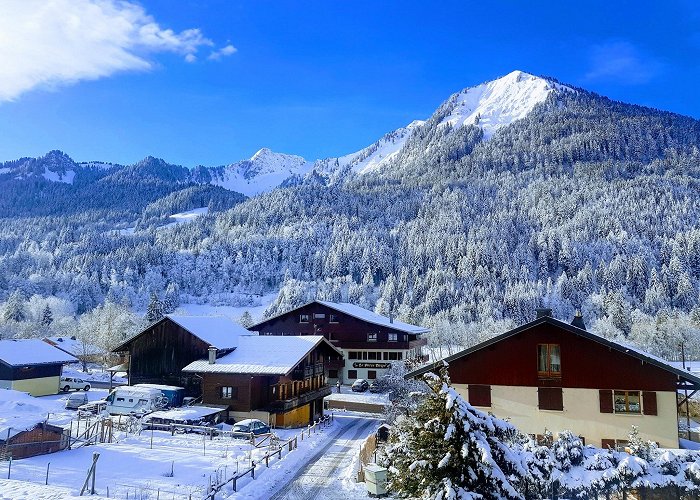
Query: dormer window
(393, 337)
(333, 318)
(549, 361)
(303, 318)
(371, 337)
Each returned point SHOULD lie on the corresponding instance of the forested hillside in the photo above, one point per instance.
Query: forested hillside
(585, 203)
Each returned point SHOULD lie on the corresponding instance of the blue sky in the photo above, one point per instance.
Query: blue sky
(314, 78)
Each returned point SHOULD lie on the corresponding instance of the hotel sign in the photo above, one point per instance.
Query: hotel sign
(379, 366)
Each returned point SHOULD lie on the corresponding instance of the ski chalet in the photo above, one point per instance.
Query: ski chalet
(555, 376)
(369, 341)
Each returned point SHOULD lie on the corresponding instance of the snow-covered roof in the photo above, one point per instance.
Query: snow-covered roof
(73, 346)
(183, 413)
(262, 355)
(21, 352)
(218, 331)
(19, 412)
(360, 313)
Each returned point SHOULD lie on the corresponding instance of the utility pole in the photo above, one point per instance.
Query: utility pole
(685, 391)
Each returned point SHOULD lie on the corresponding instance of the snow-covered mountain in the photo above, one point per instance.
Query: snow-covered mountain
(264, 171)
(498, 103)
(490, 106)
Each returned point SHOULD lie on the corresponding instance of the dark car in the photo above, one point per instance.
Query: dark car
(251, 425)
(360, 385)
(375, 386)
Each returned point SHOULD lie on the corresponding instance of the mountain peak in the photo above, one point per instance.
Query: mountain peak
(498, 103)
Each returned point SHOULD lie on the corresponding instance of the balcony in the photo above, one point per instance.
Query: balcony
(308, 371)
(291, 395)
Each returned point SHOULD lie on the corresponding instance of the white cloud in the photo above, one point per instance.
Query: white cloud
(222, 52)
(621, 62)
(45, 43)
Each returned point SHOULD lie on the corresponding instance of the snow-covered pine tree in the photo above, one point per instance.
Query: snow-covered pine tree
(171, 300)
(448, 449)
(14, 308)
(46, 316)
(155, 309)
(246, 319)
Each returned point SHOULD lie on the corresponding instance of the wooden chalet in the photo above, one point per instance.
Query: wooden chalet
(369, 341)
(550, 375)
(280, 380)
(158, 354)
(31, 366)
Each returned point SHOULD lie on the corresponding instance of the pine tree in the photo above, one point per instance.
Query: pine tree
(14, 308)
(246, 319)
(449, 449)
(47, 316)
(171, 301)
(155, 309)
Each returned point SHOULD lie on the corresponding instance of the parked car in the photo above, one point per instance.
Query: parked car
(251, 425)
(92, 408)
(76, 400)
(360, 385)
(375, 387)
(77, 384)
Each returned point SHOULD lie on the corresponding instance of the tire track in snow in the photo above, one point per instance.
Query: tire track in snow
(318, 479)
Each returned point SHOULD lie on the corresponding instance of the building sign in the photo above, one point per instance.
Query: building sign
(379, 366)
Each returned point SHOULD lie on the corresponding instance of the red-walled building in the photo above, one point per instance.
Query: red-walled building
(550, 375)
(369, 341)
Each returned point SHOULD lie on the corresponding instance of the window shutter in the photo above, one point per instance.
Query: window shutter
(606, 401)
(550, 398)
(479, 395)
(608, 443)
(649, 401)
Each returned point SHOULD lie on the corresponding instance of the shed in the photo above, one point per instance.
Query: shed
(31, 366)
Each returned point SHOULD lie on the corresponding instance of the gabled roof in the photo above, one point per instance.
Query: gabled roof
(263, 355)
(217, 331)
(356, 312)
(73, 346)
(618, 346)
(27, 352)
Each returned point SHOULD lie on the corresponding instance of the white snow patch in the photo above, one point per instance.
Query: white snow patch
(5, 170)
(264, 171)
(16, 352)
(52, 176)
(499, 103)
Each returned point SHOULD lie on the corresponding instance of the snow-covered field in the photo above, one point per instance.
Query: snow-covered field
(346, 395)
(232, 312)
(154, 464)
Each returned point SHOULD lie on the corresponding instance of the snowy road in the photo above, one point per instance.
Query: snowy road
(330, 472)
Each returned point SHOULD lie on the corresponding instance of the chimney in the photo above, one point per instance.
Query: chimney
(578, 321)
(543, 312)
(391, 316)
(212, 355)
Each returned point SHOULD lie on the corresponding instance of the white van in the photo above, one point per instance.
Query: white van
(130, 400)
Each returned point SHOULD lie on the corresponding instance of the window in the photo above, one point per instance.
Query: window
(393, 337)
(303, 318)
(479, 395)
(332, 373)
(371, 374)
(393, 356)
(229, 392)
(373, 355)
(352, 374)
(333, 318)
(371, 337)
(615, 444)
(386, 356)
(353, 355)
(319, 316)
(550, 398)
(627, 402)
(548, 360)
(399, 356)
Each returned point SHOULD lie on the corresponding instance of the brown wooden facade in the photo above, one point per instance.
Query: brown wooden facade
(282, 396)
(585, 364)
(40, 440)
(342, 330)
(158, 354)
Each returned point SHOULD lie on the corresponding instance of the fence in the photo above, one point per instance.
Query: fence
(290, 444)
(368, 454)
